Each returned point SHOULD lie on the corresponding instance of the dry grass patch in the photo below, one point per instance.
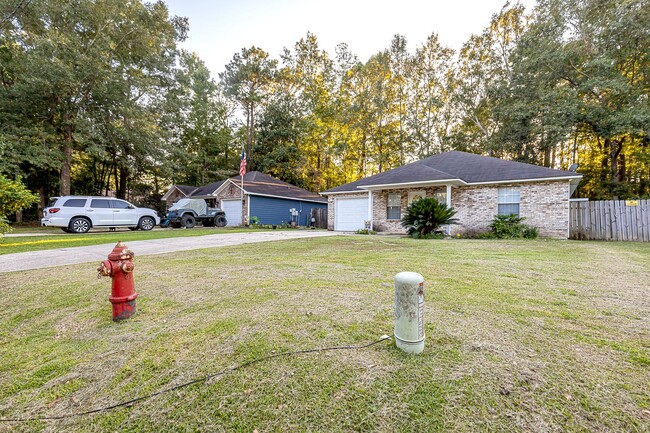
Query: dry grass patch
(521, 336)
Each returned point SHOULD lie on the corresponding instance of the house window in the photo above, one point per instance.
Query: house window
(415, 195)
(441, 196)
(394, 209)
(509, 201)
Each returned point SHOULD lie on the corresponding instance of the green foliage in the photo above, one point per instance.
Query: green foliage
(511, 227)
(13, 198)
(366, 232)
(423, 217)
(97, 97)
(254, 221)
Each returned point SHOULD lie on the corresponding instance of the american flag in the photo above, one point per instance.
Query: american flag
(242, 164)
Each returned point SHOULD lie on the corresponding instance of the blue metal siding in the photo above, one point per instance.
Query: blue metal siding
(272, 210)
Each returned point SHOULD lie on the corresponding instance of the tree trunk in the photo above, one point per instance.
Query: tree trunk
(121, 190)
(64, 183)
(249, 138)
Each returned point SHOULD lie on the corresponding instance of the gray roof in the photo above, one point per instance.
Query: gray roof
(461, 167)
(207, 189)
(187, 190)
(257, 183)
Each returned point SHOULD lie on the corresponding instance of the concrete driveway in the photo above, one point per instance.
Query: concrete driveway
(97, 253)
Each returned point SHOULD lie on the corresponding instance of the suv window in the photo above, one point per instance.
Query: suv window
(100, 203)
(75, 202)
(119, 204)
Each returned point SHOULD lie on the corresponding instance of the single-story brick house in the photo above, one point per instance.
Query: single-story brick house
(477, 187)
(262, 196)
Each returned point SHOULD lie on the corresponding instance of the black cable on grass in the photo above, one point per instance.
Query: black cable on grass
(192, 382)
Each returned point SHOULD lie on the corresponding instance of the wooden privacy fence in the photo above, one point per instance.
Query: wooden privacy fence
(610, 220)
(320, 217)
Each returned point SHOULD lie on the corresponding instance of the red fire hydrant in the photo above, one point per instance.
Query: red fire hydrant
(119, 267)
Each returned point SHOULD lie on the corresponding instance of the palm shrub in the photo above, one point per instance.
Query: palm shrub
(511, 227)
(423, 217)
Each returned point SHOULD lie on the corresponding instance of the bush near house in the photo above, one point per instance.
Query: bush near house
(511, 227)
(425, 216)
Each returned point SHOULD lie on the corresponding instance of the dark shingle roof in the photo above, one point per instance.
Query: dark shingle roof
(207, 189)
(187, 190)
(465, 167)
(262, 184)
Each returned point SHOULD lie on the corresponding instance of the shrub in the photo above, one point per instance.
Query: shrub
(423, 217)
(13, 197)
(365, 232)
(511, 227)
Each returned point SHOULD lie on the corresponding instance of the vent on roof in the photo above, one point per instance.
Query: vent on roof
(573, 167)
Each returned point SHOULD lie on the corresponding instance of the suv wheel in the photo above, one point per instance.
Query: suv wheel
(146, 223)
(220, 221)
(79, 225)
(188, 221)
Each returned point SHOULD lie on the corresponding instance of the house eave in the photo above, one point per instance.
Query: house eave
(344, 192)
(539, 179)
(454, 182)
(287, 198)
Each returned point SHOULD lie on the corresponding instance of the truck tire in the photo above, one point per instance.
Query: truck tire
(146, 223)
(79, 225)
(188, 221)
(220, 221)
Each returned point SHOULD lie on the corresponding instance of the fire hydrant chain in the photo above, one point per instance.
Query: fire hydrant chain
(119, 267)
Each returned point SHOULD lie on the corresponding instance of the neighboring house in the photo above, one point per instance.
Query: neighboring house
(263, 196)
(177, 192)
(477, 187)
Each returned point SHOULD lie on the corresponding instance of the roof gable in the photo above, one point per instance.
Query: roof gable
(183, 189)
(207, 190)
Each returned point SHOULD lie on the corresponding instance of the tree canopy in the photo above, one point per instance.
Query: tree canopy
(97, 97)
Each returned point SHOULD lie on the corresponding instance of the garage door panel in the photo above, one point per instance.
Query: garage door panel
(232, 208)
(350, 214)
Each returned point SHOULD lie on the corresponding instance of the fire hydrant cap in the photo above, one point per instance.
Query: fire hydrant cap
(120, 251)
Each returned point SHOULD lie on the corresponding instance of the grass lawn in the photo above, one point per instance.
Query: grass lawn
(50, 238)
(522, 336)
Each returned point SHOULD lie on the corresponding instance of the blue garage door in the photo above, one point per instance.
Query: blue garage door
(276, 210)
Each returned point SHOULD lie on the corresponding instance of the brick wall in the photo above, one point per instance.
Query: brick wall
(545, 205)
(380, 207)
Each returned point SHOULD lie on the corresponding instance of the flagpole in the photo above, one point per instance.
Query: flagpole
(242, 194)
(242, 172)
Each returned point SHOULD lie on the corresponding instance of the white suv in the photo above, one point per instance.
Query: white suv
(76, 214)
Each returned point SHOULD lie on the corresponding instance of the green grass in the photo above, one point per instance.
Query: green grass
(50, 238)
(522, 336)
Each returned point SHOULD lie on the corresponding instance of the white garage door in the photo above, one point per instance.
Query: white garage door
(350, 213)
(232, 208)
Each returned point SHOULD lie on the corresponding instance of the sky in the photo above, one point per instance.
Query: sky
(221, 28)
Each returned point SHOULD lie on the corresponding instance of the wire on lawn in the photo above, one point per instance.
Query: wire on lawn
(195, 381)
